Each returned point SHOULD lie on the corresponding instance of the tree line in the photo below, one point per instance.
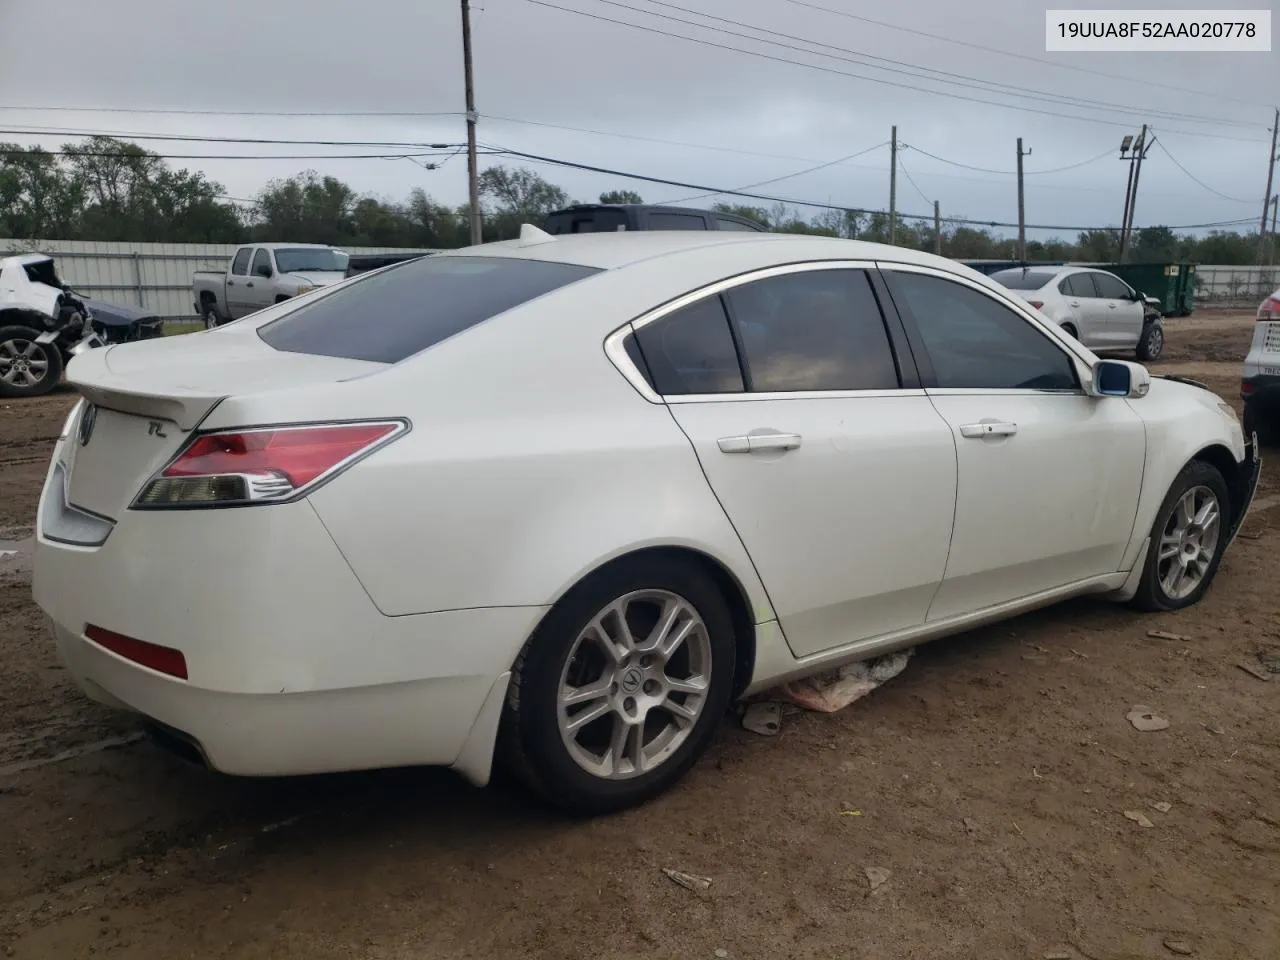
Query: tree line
(108, 189)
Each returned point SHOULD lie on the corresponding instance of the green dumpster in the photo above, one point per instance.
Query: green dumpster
(1173, 284)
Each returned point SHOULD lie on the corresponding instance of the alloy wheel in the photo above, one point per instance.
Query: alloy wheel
(1189, 542)
(634, 684)
(23, 363)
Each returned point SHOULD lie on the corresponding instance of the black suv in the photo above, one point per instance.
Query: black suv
(609, 217)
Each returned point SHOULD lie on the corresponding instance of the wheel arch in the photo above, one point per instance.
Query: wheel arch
(1222, 459)
(727, 582)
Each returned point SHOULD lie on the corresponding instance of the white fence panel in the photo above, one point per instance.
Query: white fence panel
(154, 276)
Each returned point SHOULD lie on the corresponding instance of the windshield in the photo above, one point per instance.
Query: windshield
(1022, 279)
(393, 314)
(307, 259)
(42, 271)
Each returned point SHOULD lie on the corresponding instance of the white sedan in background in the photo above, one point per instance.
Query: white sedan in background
(1094, 306)
(572, 496)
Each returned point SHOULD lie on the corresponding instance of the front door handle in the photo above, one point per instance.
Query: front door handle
(758, 442)
(988, 428)
(1111, 306)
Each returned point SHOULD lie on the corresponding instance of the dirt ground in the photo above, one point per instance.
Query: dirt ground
(991, 780)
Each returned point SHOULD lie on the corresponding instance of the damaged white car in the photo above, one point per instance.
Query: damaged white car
(43, 323)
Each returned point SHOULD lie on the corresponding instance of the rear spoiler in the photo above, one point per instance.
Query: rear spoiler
(89, 375)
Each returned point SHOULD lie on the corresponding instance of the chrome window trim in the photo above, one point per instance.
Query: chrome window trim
(617, 353)
(1052, 332)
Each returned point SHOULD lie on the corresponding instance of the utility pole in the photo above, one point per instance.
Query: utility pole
(893, 185)
(1134, 150)
(1266, 197)
(473, 175)
(1022, 209)
(1142, 148)
(1271, 169)
(937, 228)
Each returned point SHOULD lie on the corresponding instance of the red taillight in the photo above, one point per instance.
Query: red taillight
(161, 659)
(1036, 303)
(261, 465)
(1270, 309)
(1246, 387)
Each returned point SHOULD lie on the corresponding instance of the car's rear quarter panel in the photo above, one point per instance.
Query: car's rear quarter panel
(531, 461)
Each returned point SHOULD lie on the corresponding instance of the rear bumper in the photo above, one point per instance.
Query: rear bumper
(291, 668)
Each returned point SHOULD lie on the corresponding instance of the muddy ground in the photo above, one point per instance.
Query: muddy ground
(991, 780)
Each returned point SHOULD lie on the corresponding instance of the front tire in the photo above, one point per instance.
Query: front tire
(1151, 343)
(1187, 540)
(622, 686)
(27, 368)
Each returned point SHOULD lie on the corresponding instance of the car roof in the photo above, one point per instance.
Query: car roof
(608, 251)
(28, 258)
(293, 246)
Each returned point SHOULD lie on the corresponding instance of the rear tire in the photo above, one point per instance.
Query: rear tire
(653, 708)
(1070, 331)
(27, 368)
(211, 316)
(1151, 343)
(1188, 538)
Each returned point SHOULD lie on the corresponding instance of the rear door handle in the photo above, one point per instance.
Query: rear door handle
(988, 428)
(756, 442)
(1111, 306)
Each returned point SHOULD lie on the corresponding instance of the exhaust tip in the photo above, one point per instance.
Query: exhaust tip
(174, 742)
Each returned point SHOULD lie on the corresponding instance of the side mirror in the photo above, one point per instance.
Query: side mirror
(264, 271)
(1119, 378)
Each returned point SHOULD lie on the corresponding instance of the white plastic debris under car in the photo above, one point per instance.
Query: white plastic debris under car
(834, 690)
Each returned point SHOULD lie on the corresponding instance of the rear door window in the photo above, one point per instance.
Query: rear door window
(240, 265)
(395, 313)
(813, 331)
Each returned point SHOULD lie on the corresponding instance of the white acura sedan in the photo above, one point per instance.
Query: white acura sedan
(564, 499)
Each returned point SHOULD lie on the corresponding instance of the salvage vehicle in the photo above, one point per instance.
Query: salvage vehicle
(43, 323)
(563, 499)
(263, 274)
(1094, 306)
(1260, 381)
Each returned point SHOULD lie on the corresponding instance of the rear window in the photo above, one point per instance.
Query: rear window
(586, 221)
(1022, 279)
(387, 316)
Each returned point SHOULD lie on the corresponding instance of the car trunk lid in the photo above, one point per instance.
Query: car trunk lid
(146, 398)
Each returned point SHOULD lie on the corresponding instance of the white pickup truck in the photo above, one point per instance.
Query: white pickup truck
(261, 274)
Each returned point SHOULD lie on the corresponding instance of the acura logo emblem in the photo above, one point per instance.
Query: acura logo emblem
(87, 420)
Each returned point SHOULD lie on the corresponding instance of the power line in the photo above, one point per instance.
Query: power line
(237, 113)
(497, 149)
(942, 76)
(193, 138)
(658, 140)
(1009, 173)
(1160, 144)
(1023, 56)
(903, 167)
(791, 176)
(856, 76)
(227, 156)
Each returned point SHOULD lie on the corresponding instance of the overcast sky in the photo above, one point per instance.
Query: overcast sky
(727, 118)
